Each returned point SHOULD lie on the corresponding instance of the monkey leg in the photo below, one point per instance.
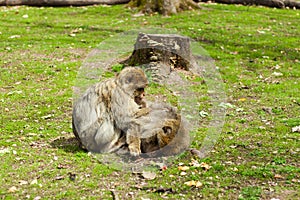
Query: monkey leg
(133, 140)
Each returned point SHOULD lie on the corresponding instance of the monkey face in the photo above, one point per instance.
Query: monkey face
(133, 80)
(139, 95)
(169, 131)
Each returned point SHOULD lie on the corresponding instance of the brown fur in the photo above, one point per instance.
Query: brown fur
(103, 118)
(163, 132)
(166, 133)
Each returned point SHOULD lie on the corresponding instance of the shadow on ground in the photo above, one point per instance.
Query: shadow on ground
(68, 144)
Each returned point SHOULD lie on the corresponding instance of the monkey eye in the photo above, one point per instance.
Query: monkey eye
(140, 89)
(167, 130)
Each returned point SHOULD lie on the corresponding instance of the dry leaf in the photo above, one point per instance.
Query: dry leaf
(203, 113)
(148, 175)
(242, 99)
(277, 74)
(34, 181)
(205, 166)
(193, 183)
(22, 182)
(12, 189)
(59, 178)
(3, 151)
(183, 173)
(47, 116)
(183, 168)
(235, 169)
(194, 163)
(278, 176)
(296, 129)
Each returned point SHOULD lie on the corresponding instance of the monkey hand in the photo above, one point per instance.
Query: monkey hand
(134, 151)
(142, 112)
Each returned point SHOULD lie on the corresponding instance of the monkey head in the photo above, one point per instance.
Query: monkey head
(133, 81)
(169, 130)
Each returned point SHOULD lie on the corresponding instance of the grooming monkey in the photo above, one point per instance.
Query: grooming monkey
(162, 131)
(113, 114)
(103, 118)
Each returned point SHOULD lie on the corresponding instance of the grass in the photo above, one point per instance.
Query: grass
(256, 157)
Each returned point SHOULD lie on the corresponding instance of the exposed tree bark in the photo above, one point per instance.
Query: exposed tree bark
(165, 7)
(60, 2)
(268, 3)
(160, 54)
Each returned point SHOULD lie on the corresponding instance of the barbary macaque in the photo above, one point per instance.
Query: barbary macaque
(112, 116)
(103, 118)
(163, 132)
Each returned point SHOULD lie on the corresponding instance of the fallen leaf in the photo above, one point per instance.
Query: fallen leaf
(277, 74)
(226, 105)
(242, 99)
(3, 151)
(22, 182)
(203, 113)
(14, 36)
(205, 166)
(193, 183)
(47, 116)
(34, 181)
(15, 92)
(278, 176)
(138, 15)
(183, 168)
(12, 189)
(183, 173)
(59, 178)
(195, 163)
(295, 180)
(296, 129)
(261, 32)
(235, 169)
(148, 175)
(62, 166)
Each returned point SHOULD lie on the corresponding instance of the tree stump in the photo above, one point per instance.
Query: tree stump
(165, 7)
(161, 53)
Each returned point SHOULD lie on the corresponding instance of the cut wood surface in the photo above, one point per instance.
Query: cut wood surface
(161, 53)
(168, 48)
